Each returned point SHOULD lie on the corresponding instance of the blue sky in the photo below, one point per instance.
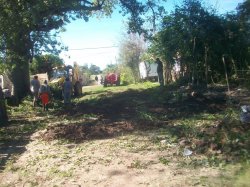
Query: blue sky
(96, 41)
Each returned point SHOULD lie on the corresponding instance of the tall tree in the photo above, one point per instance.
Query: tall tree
(131, 49)
(25, 25)
(243, 13)
(111, 68)
(201, 38)
(45, 64)
(3, 111)
(94, 69)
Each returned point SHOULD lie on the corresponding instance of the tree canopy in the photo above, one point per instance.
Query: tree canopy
(131, 50)
(196, 38)
(94, 69)
(45, 64)
(26, 27)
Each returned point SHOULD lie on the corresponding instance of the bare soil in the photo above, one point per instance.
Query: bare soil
(128, 139)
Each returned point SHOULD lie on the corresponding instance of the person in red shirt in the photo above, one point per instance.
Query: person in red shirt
(44, 93)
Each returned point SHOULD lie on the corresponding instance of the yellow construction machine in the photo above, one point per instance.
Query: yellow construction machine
(73, 73)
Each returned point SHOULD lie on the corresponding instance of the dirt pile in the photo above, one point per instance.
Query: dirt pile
(87, 131)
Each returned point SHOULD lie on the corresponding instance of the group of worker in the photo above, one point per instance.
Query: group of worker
(43, 92)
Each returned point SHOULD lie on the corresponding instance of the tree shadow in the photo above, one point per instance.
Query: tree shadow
(125, 105)
(143, 111)
(136, 110)
(157, 111)
(147, 111)
(14, 136)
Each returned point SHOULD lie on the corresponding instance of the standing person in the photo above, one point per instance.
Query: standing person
(160, 71)
(67, 88)
(35, 86)
(102, 80)
(96, 79)
(3, 111)
(44, 93)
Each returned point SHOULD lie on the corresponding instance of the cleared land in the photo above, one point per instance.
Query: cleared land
(129, 136)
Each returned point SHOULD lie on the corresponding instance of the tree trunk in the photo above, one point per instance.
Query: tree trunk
(225, 69)
(18, 57)
(206, 65)
(235, 68)
(20, 78)
(3, 112)
(194, 62)
(166, 73)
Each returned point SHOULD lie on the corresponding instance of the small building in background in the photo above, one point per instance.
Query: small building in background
(93, 81)
(148, 71)
(6, 85)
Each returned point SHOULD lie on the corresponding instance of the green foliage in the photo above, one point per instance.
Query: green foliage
(2, 66)
(111, 68)
(56, 91)
(85, 69)
(195, 37)
(131, 49)
(94, 69)
(126, 76)
(29, 28)
(45, 63)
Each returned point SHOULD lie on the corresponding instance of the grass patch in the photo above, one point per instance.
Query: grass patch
(10, 166)
(137, 164)
(56, 171)
(164, 161)
(243, 179)
(138, 119)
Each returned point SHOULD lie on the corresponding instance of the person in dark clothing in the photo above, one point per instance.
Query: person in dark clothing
(67, 89)
(3, 110)
(160, 71)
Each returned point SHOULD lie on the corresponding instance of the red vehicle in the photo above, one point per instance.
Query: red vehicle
(111, 79)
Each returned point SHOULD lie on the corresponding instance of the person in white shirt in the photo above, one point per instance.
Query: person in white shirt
(35, 86)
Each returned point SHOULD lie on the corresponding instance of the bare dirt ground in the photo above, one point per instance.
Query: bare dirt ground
(127, 139)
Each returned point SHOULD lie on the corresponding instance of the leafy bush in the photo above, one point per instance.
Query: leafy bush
(56, 91)
(127, 76)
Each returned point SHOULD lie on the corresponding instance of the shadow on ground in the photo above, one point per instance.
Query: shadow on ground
(140, 110)
(143, 111)
(156, 109)
(14, 136)
(126, 105)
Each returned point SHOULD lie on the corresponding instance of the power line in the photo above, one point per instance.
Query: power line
(105, 47)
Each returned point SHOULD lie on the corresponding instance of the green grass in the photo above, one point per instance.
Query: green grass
(164, 161)
(242, 179)
(116, 89)
(233, 145)
(55, 171)
(137, 164)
